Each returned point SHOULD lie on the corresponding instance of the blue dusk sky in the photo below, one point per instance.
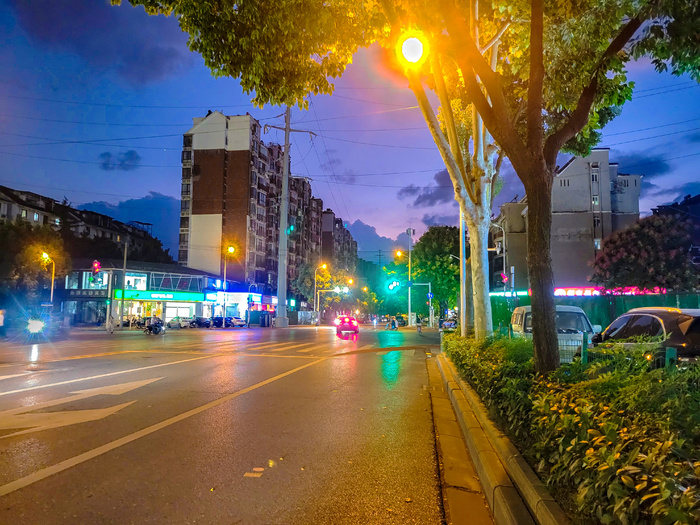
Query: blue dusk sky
(94, 100)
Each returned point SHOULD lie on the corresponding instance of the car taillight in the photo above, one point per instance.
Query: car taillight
(346, 320)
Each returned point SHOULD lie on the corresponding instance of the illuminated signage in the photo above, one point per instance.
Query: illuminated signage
(147, 295)
(588, 291)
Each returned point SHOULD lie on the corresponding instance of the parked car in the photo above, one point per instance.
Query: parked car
(237, 321)
(219, 322)
(659, 328)
(201, 322)
(345, 323)
(569, 320)
(179, 322)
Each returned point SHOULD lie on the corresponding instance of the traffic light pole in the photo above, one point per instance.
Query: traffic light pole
(121, 303)
(410, 242)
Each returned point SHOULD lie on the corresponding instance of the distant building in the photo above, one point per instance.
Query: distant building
(688, 208)
(590, 201)
(338, 248)
(45, 211)
(231, 186)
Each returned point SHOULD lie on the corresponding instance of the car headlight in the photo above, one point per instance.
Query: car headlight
(336, 322)
(34, 326)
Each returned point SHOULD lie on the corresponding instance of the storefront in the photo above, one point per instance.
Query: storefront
(163, 304)
(237, 303)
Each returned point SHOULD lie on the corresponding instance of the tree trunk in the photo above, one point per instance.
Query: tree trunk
(539, 227)
(478, 243)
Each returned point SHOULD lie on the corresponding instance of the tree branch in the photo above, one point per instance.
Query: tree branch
(496, 174)
(496, 38)
(535, 128)
(579, 117)
(440, 141)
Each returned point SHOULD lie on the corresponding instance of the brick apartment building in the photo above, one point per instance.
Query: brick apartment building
(590, 201)
(231, 186)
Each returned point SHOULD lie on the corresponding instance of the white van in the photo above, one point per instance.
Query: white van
(572, 323)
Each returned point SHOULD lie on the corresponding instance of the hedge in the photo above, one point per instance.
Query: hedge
(616, 441)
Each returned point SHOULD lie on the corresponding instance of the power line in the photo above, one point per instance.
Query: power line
(653, 127)
(652, 137)
(366, 114)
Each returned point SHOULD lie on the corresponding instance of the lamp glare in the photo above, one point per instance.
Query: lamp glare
(412, 49)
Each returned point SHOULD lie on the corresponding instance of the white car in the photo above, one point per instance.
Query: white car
(237, 321)
(179, 322)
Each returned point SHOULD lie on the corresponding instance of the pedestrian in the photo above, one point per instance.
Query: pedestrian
(110, 324)
(419, 325)
(3, 334)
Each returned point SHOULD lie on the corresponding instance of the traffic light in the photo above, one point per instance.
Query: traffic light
(96, 267)
(393, 285)
(504, 278)
(290, 229)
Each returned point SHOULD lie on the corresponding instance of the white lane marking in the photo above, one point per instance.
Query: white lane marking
(13, 375)
(104, 375)
(81, 458)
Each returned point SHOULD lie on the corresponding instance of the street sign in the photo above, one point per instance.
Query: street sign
(429, 295)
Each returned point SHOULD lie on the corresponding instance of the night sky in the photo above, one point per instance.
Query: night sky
(94, 101)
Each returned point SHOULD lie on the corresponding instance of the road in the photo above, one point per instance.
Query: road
(249, 426)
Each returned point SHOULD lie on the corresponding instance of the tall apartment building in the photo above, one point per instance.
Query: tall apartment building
(337, 245)
(590, 201)
(231, 186)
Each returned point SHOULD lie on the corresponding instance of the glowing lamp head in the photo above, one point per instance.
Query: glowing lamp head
(412, 49)
(324, 266)
(35, 326)
(350, 281)
(45, 256)
(230, 249)
(399, 253)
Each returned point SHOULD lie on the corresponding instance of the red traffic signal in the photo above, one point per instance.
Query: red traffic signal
(504, 278)
(96, 267)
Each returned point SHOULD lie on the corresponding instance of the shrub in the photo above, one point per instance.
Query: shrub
(618, 441)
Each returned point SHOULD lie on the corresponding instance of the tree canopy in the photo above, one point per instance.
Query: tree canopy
(435, 260)
(652, 253)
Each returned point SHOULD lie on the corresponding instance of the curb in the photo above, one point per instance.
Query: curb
(512, 488)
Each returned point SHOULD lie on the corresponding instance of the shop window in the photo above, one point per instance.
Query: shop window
(100, 281)
(73, 281)
(136, 281)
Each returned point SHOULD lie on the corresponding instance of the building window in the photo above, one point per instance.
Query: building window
(187, 141)
(261, 199)
(594, 176)
(136, 281)
(596, 222)
(596, 244)
(184, 205)
(185, 189)
(184, 222)
(57, 221)
(186, 155)
(186, 173)
(36, 216)
(596, 200)
(182, 255)
(24, 214)
(183, 238)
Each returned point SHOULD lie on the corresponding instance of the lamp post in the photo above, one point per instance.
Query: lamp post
(409, 232)
(47, 259)
(316, 309)
(229, 250)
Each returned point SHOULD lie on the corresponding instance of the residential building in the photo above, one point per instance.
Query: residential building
(40, 210)
(337, 245)
(231, 186)
(590, 201)
(688, 208)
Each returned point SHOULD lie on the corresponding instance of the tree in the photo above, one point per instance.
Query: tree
(434, 261)
(539, 75)
(651, 253)
(24, 273)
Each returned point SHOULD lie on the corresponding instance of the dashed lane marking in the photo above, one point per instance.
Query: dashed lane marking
(86, 456)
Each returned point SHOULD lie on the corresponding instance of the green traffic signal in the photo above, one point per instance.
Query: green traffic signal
(393, 285)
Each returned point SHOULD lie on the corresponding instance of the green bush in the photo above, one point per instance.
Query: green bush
(617, 441)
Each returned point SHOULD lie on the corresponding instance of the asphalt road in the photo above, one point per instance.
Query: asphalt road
(250, 426)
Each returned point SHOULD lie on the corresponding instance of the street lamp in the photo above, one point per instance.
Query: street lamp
(410, 233)
(364, 288)
(229, 250)
(47, 259)
(322, 267)
(412, 49)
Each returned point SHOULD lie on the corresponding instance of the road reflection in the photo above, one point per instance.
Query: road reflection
(391, 368)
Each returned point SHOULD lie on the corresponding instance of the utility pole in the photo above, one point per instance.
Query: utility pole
(282, 319)
(409, 232)
(121, 303)
(462, 275)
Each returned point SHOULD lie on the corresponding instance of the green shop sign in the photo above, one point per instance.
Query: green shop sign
(147, 295)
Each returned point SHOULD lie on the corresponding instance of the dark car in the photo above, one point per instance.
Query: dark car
(201, 322)
(219, 322)
(662, 327)
(400, 320)
(345, 323)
